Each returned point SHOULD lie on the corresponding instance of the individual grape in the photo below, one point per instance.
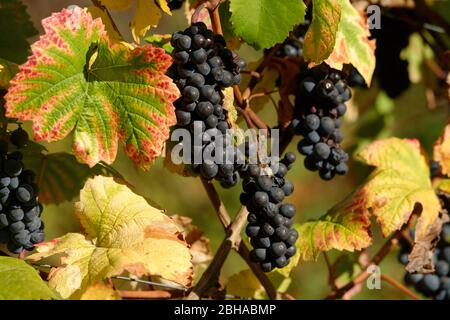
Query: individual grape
(278, 249)
(322, 150)
(442, 268)
(312, 122)
(287, 210)
(17, 226)
(16, 214)
(252, 230)
(258, 254)
(260, 198)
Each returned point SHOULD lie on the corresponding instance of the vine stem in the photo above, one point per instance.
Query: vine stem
(210, 277)
(363, 275)
(331, 279)
(399, 286)
(241, 248)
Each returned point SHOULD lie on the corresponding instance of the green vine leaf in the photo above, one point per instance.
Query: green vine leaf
(19, 281)
(344, 227)
(15, 28)
(352, 43)
(321, 36)
(77, 80)
(123, 234)
(160, 41)
(263, 23)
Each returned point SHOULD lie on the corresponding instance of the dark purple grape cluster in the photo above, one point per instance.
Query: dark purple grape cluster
(203, 66)
(175, 4)
(270, 220)
(20, 224)
(433, 285)
(320, 105)
(293, 46)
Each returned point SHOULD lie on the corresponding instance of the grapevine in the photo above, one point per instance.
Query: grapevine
(322, 124)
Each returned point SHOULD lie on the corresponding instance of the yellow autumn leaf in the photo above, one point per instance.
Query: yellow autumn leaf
(164, 6)
(117, 4)
(147, 15)
(443, 185)
(245, 285)
(346, 226)
(98, 13)
(100, 291)
(441, 150)
(123, 234)
(401, 180)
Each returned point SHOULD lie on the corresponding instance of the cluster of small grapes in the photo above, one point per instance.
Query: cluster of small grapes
(202, 68)
(20, 224)
(270, 220)
(437, 284)
(293, 46)
(320, 102)
(175, 4)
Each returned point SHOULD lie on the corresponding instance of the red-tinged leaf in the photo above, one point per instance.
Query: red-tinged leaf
(77, 80)
(352, 43)
(344, 227)
(400, 181)
(321, 35)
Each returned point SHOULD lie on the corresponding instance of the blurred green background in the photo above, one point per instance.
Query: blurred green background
(371, 115)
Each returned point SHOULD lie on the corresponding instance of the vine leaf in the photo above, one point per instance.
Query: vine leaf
(100, 291)
(245, 285)
(123, 234)
(147, 15)
(401, 180)
(441, 150)
(321, 36)
(19, 281)
(343, 227)
(399, 186)
(164, 6)
(96, 12)
(15, 28)
(59, 175)
(263, 23)
(352, 43)
(77, 80)
(160, 41)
